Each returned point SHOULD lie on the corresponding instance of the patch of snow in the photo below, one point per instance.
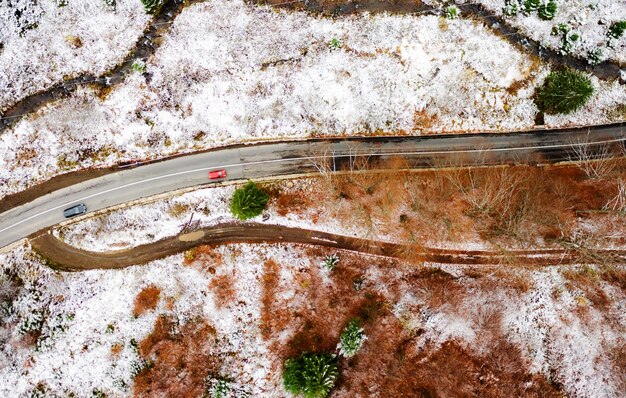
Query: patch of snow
(44, 42)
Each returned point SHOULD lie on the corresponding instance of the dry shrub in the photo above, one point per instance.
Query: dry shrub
(146, 300)
(315, 318)
(615, 275)
(206, 258)
(291, 202)
(271, 280)
(223, 287)
(588, 280)
(436, 287)
(116, 349)
(181, 358)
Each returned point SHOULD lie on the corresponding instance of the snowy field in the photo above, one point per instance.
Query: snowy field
(76, 333)
(44, 42)
(229, 72)
(590, 19)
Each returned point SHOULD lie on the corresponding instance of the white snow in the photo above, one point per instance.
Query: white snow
(590, 18)
(32, 60)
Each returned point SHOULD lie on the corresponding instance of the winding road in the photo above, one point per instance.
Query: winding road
(293, 158)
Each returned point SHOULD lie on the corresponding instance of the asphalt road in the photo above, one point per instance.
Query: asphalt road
(290, 158)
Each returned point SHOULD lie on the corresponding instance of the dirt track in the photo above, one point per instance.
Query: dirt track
(64, 257)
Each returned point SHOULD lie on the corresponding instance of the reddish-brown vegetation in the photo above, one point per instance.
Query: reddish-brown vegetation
(223, 286)
(392, 361)
(509, 206)
(146, 300)
(181, 357)
(116, 349)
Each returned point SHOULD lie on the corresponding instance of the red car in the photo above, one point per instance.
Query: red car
(215, 174)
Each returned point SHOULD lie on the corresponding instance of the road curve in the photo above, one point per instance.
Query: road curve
(300, 157)
(64, 257)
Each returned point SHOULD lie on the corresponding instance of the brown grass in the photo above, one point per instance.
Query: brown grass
(223, 286)
(146, 300)
(181, 359)
(116, 349)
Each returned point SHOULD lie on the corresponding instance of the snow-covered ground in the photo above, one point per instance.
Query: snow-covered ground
(230, 72)
(560, 331)
(591, 19)
(44, 42)
(150, 222)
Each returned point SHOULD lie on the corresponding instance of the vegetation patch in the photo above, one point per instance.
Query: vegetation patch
(311, 375)
(564, 91)
(146, 300)
(248, 201)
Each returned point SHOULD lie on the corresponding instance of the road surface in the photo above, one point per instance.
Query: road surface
(299, 157)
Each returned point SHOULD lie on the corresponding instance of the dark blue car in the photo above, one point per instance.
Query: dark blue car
(75, 210)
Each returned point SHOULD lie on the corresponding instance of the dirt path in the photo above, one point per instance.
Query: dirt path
(500, 26)
(62, 256)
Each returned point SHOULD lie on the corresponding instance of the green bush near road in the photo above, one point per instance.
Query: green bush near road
(563, 91)
(248, 201)
(311, 375)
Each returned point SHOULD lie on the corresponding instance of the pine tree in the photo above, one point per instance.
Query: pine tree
(248, 201)
(563, 91)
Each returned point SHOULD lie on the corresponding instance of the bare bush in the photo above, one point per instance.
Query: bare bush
(596, 160)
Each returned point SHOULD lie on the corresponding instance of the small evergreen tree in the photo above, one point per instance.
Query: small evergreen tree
(351, 339)
(221, 389)
(547, 11)
(248, 201)
(563, 91)
(330, 262)
(452, 12)
(617, 29)
(312, 375)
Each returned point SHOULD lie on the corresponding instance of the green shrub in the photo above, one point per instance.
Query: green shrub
(547, 11)
(221, 389)
(312, 375)
(330, 262)
(568, 37)
(563, 91)
(153, 6)
(617, 29)
(248, 201)
(351, 338)
(596, 56)
(335, 44)
(511, 8)
(138, 66)
(452, 12)
(531, 5)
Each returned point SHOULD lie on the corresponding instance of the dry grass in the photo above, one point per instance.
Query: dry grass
(507, 207)
(146, 300)
(181, 358)
(223, 286)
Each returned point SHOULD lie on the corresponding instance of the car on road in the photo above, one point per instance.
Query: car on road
(217, 174)
(75, 210)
